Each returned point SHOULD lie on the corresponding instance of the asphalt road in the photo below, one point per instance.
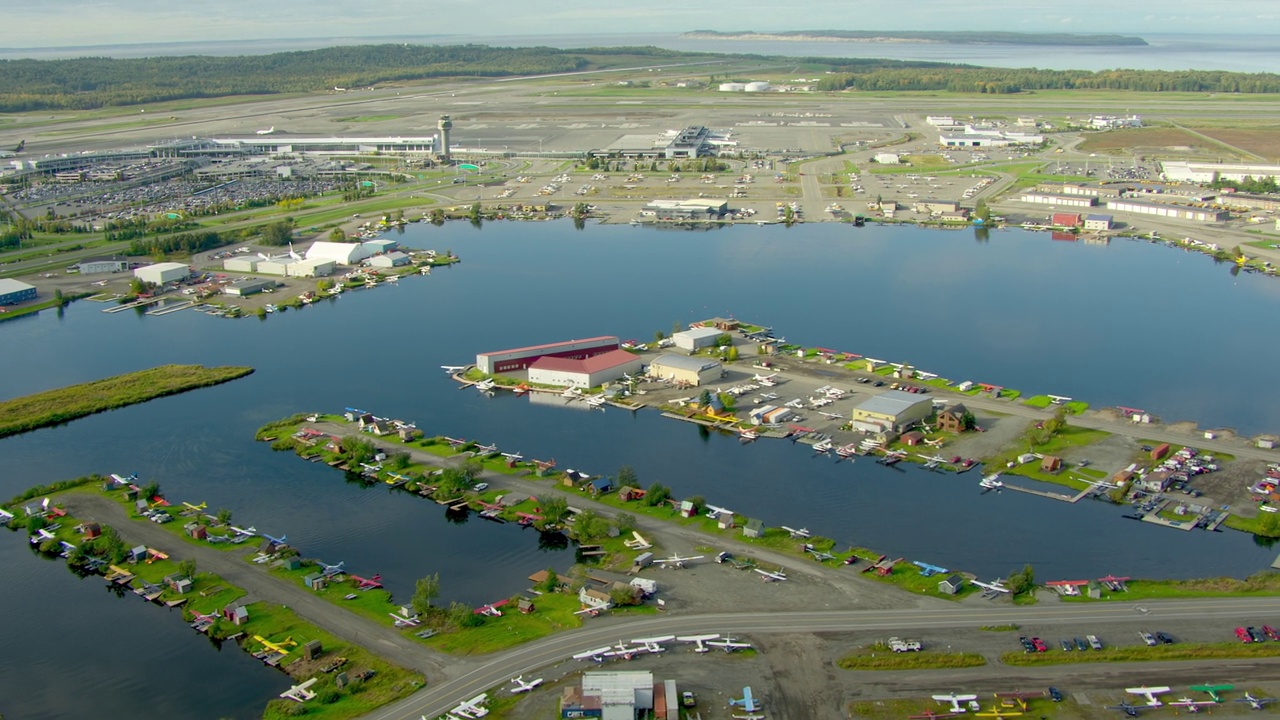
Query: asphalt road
(383, 640)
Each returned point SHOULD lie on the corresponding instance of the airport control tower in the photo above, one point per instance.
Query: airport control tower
(445, 126)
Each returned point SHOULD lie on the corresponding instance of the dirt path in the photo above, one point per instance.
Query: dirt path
(382, 640)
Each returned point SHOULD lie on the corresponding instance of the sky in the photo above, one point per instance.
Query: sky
(53, 23)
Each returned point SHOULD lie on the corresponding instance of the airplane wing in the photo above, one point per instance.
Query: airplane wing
(1147, 690)
(591, 653)
(664, 638)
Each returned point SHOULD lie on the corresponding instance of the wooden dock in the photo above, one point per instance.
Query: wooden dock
(171, 309)
(1042, 493)
(134, 304)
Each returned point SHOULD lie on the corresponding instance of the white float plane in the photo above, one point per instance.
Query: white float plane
(522, 686)
(1149, 693)
(772, 576)
(830, 416)
(486, 449)
(800, 533)
(653, 644)
(1058, 399)
(675, 561)
(5, 515)
(473, 708)
(728, 644)
(453, 369)
(599, 654)
(485, 386)
(699, 641)
(513, 457)
(764, 378)
(46, 535)
(299, 692)
(1256, 703)
(682, 401)
(993, 586)
(331, 570)
(714, 511)
(403, 621)
(244, 532)
(955, 701)
(1191, 705)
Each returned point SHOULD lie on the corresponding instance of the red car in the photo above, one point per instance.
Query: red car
(1271, 632)
(1039, 645)
(1243, 635)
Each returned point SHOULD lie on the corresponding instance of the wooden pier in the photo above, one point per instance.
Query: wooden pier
(134, 304)
(1042, 493)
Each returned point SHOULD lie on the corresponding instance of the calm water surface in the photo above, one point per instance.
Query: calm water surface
(1130, 323)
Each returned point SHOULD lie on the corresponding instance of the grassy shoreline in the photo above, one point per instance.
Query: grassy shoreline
(376, 682)
(53, 407)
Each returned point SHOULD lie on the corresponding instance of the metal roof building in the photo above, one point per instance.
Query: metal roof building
(892, 410)
(339, 252)
(502, 361)
(13, 291)
(695, 338)
(681, 368)
(584, 372)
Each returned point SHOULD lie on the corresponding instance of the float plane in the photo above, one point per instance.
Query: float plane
(1214, 691)
(522, 686)
(330, 570)
(453, 369)
(728, 644)
(1149, 693)
(772, 576)
(367, 583)
(675, 561)
(473, 708)
(276, 540)
(1256, 703)
(699, 641)
(955, 701)
(299, 692)
(801, 533)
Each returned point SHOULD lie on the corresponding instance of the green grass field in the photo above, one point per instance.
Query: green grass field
(1142, 653)
(62, 405)
(882, 658)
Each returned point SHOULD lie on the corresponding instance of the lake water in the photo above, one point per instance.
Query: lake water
(1164, 51)
(1130, 323)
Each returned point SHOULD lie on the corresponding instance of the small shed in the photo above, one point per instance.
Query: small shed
(312, 650)
(600, 485)
(235, 612)
(688, 509)
(725, 521)
(952, 585)
(138, 553)
(630, 493)
(92, 530)
(594, 599)
(913, 438)
(1160, 451)
(293, 563)
(753, 529)
(1050, 463)
(198, 532)
(644, 559)
(315, 581)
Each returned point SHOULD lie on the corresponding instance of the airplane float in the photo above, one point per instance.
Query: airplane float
(244, 532)
(699, 641)
(486, 386)
(772, 576)
(995, 586)
(331, 570)
(800, 533)
(486, 450)
(299, 692)
(453, 369)
(276, 541)
(522, 686)
(514, 457)
(366, 583)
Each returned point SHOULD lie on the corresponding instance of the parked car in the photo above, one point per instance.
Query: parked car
(1027, 644)
(1256, 634)
(1055, 694)
(1080, 644)
(1164, 637)
(1270, 632)
(1067, 646)
(1094, 642)
(1147, 638)
(1039, 645)
(1244, 635)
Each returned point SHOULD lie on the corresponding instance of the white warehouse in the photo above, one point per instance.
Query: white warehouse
(695, 339)
(339, 252)
(586, 372)
(161, 273)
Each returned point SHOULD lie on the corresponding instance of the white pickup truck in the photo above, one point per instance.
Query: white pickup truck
(898, 645)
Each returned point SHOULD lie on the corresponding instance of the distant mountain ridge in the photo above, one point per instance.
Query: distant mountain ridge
(950, 37)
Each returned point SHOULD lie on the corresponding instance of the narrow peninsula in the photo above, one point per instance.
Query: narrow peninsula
(52, 407)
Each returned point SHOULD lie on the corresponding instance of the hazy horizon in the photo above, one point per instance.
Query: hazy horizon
(90, 23)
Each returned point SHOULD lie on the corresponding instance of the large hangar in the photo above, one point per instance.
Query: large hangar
(521, 358)
(585, 373)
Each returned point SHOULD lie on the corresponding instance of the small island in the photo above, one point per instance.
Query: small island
(52, 407)
(928, 36)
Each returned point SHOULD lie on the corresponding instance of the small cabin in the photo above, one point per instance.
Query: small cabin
(92, 530)
(753, 529)
(688, 509)
(315, 581)
(600, 485)
(1050, 464)
(913, 438)
(525, 606)
(628, 493)
(951, 585)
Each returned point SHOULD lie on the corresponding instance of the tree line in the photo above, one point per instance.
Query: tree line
(92, 82)
(957, 78)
